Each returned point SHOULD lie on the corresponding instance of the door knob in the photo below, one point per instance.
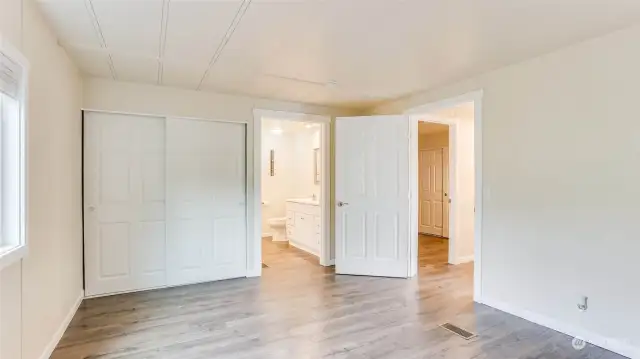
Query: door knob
(342, 204)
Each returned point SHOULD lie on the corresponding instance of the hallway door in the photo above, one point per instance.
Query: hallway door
(432, 192)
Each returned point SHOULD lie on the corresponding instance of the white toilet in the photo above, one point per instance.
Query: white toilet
(278, 228)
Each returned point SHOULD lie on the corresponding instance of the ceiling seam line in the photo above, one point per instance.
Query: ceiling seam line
(164, 23)
(225, 40)
(311, 82)
(96, 25)
(114, 74)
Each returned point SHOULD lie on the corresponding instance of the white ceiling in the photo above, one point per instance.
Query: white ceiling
(334, 52)
(288, 126)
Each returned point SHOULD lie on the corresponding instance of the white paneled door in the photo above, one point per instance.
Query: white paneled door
(164, 202)
(372, 196)
(124, 197)
(432, 192)
(206, 204)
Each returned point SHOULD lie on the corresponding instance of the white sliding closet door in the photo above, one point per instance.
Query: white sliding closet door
(124, 204)
(206, 203)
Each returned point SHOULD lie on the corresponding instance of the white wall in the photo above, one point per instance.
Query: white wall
(276, 189)
(107, 95)
(306, 141)
(559, 215)
(465, 196)
(293, 175)
(39, 292)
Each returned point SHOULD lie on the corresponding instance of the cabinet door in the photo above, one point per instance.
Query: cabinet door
(300, 231)
(317, 232)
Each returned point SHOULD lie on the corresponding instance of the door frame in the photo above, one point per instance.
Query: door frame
(422, 113)
(254, 171)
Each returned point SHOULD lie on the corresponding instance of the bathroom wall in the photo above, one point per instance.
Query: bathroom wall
(293, 175)
(306, 140)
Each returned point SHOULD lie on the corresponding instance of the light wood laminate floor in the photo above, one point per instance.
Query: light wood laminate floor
(300, 310)
(433, 251)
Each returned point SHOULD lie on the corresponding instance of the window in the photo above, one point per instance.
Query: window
(13, 70)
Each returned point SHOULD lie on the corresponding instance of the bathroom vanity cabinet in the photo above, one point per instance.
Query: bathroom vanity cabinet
(304, 224)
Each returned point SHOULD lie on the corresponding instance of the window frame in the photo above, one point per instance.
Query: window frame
(11, 253)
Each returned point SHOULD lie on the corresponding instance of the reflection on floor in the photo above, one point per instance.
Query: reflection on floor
(432, 251)
(298, 309)
(282, 254)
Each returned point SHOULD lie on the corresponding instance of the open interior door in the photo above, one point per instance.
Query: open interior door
(372, 196)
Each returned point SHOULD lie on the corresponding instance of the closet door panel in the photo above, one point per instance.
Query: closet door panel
(206, 204)
(124, 203)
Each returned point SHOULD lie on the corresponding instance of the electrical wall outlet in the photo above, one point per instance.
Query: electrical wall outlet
(583, 303)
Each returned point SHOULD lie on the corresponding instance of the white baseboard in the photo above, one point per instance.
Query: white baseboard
(62, 328)
(329, 263)
(303, 247)
(613, 344)
(465, 259)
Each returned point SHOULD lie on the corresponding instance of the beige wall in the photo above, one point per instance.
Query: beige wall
(38, 293)
(547, 238)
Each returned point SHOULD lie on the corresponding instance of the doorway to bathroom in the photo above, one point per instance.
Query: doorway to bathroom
(292, 183)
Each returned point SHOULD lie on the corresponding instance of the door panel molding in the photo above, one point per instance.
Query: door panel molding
(372, 179)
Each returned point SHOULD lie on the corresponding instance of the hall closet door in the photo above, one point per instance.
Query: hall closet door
(205, 201)
(124, 203)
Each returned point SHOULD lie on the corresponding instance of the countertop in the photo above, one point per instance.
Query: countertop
(304, 201)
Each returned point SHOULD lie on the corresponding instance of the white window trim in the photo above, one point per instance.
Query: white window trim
(14, 253)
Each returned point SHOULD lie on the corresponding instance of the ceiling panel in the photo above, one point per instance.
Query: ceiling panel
(221, 79)
(71, 22)
(130, 27)
(194, 31)
(186, 73)
(195, 28)
(332, 51)
(136, 68)
(401, 47)
(286, 39)
(91, 62)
